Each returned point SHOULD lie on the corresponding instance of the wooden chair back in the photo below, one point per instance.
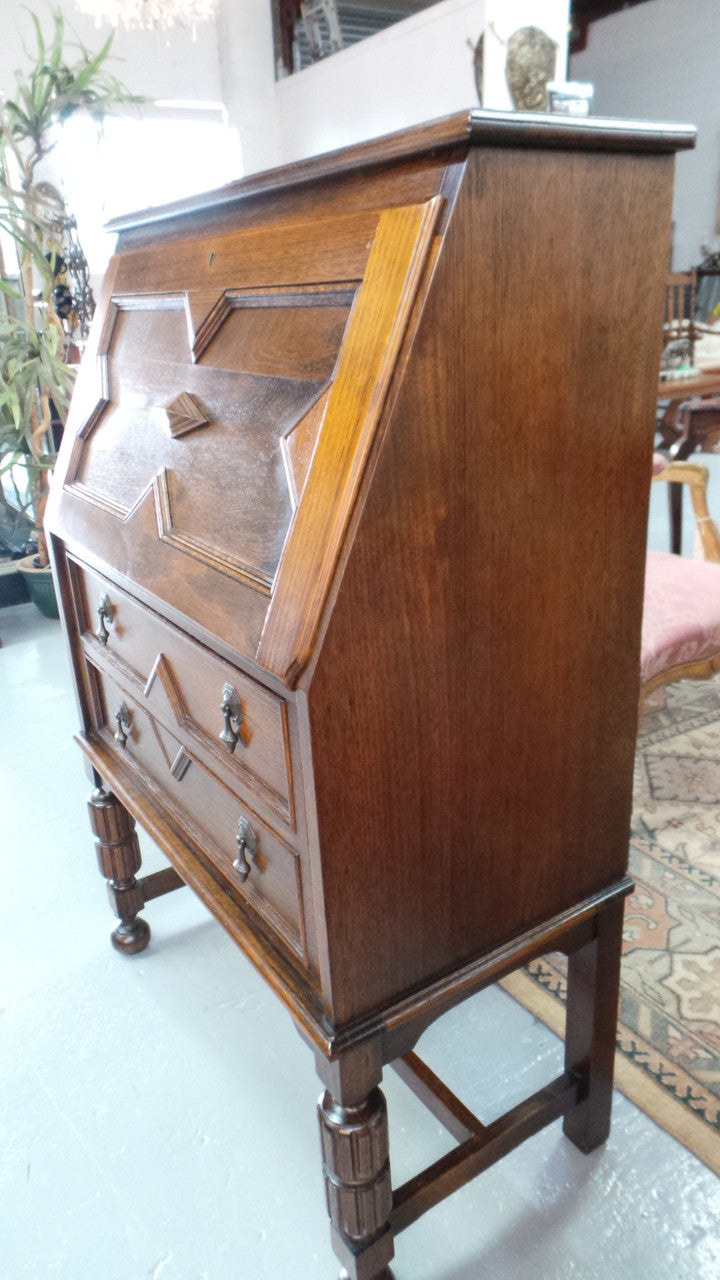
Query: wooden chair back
(680, 292)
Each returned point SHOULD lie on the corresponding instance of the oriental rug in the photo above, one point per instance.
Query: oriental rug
(668, 1047)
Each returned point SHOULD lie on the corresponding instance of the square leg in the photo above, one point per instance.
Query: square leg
(591, 1026)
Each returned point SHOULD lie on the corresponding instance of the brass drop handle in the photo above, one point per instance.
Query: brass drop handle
(123, 720)
(105, 615)
(246, 841)
(231, 712)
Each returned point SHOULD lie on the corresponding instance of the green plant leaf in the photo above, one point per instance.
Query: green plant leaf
(62, 78)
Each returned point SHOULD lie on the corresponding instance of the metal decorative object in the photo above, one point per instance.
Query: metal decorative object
(104, 613)
(529, 65)
(322, 27)
(677, 355)
(180, 765)
(232, 712)
(123, 720)
(72, 296)
(76, 267)
(246, 841)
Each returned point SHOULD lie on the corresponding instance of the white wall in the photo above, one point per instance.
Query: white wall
(660, 61)
(247, 69)
(171, 64)
(417, 70)
(149, 154)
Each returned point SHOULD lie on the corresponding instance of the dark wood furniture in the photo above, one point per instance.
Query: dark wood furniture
(698, 428)
(675, 390)
(354, 628)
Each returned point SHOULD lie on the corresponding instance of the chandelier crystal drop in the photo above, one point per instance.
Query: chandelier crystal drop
(149, 14)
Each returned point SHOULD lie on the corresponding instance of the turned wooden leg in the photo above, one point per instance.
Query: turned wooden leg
(356, 1167)
(591, 1027)
(118, 854)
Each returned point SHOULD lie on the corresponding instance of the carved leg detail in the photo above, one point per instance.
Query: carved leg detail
(590, 1034)
(118, 854)
(356, 1168)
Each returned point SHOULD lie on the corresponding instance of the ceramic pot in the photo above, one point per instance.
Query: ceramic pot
(40, 585)
(12, 587)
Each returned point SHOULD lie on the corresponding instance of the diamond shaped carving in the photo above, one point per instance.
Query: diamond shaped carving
(185, 414)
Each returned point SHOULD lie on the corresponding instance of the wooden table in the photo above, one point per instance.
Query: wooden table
(683, 434)
(706, 383)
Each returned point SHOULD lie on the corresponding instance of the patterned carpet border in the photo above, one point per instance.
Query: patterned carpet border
(646, 1087)
(668, 1046)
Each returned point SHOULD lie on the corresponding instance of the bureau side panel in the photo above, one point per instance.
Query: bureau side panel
(473, 707)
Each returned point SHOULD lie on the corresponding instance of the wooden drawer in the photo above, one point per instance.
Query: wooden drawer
(207, 810)
(185, 687)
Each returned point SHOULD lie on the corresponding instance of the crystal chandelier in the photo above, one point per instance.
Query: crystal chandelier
(149, 13)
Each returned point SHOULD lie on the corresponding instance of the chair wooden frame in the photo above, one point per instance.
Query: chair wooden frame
(696, 478)
(680, 308)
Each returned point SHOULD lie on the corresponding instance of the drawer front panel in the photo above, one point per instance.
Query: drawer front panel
(261, 867)
(239, 727)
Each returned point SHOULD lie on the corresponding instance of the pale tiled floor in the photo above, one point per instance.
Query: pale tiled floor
(157, 1112)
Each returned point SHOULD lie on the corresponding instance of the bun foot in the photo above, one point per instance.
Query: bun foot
(118, 854)
(131, 938)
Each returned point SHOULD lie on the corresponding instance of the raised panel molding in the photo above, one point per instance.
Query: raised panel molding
(206, 313)
(204, 330)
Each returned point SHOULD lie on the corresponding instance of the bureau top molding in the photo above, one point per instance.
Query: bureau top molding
(466, 128)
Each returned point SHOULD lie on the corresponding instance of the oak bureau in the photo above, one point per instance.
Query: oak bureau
(353, 600)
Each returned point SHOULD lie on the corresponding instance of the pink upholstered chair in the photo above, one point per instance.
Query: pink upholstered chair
(681, 612)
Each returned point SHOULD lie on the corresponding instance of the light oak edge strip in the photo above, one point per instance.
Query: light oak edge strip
(376, 330)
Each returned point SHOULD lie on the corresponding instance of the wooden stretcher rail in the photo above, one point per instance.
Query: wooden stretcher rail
(435, 1095)
(452, 1171)
(160, 882)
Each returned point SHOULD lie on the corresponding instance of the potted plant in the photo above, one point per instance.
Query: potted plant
(33, 373)
(37, 327)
